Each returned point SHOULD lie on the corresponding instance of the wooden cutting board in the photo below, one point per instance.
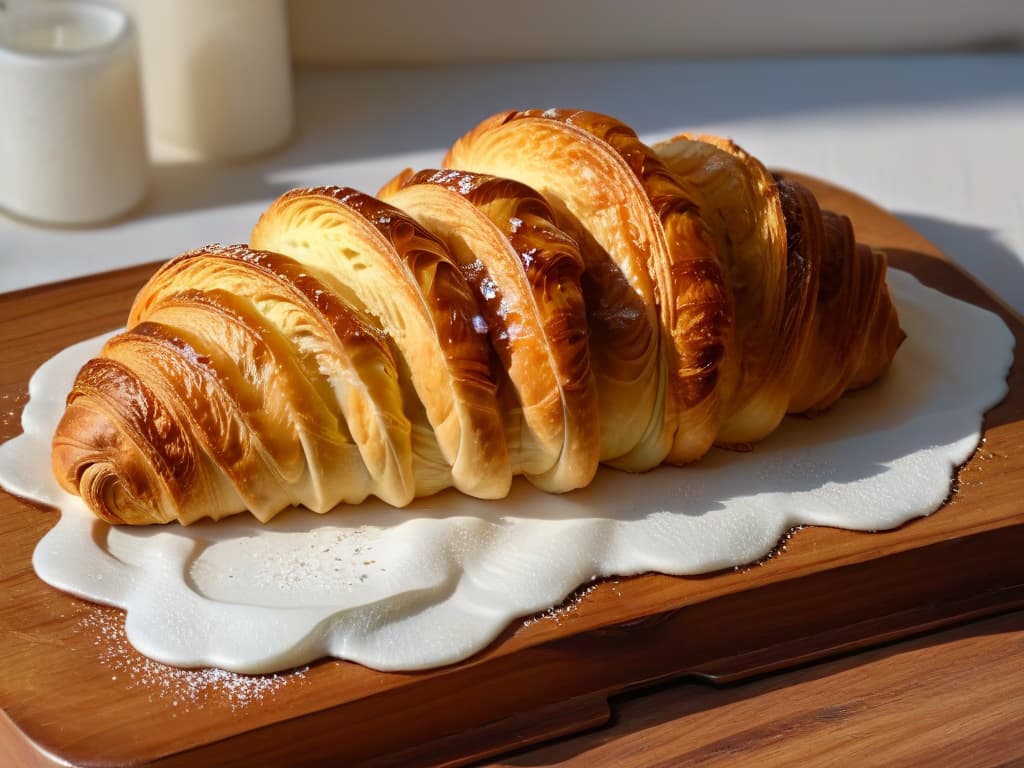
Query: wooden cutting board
(67, 697)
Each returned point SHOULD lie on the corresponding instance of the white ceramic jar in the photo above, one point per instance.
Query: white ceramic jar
(217, 75)
(72, 136)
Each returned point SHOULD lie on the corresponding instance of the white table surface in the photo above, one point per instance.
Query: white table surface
(938, 140)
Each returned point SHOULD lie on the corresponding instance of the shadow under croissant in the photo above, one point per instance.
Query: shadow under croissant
(949, 279)
(800, 456)
(979, 250)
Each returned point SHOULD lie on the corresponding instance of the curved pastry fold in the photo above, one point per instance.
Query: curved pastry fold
(211, 380)
(403, 277)
(650, 259)
(740, 201)
(559, 295)
(525, 274)
(814, 317)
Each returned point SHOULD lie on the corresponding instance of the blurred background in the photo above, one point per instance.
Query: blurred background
(915, 104)
(346, 33)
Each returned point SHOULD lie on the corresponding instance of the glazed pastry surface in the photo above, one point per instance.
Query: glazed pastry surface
(559, 295)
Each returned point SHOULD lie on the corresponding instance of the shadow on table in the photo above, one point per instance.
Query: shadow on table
(979, 251)
(917, 686)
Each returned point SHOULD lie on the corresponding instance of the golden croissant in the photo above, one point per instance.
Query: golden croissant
(557, 296)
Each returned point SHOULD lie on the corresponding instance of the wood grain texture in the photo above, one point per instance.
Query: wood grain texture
(948, 698)
(830, 591)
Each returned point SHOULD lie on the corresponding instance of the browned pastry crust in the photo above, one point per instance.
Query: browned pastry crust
(525, 273)
(403, 277)
(647, 245)
(561, 294)
(814, 316)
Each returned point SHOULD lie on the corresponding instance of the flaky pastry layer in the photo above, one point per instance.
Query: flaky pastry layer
(558, 295)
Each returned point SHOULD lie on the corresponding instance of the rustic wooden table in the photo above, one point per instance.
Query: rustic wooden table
(953, 698)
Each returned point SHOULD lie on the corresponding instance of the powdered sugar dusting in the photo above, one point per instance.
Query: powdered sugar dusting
(180, 688)
(571, 604)
(10, 407)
